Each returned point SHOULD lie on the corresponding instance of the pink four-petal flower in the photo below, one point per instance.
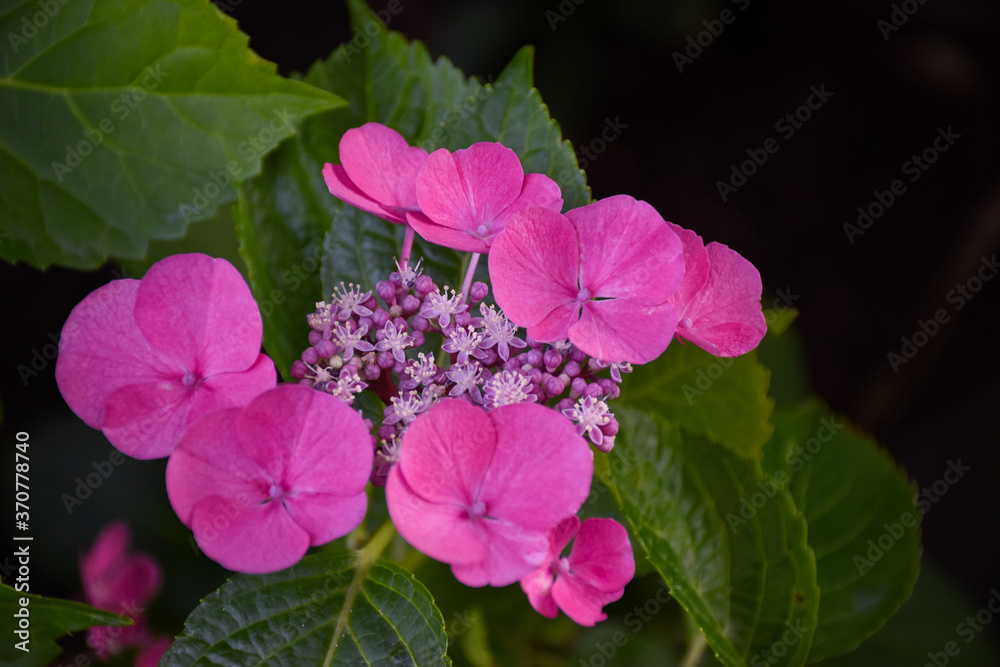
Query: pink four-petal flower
(379, 172)
(599, 565)
(718, 302)
(259, 486)
(466, 197)
(600, 275)
(143, 359)
(482, 490)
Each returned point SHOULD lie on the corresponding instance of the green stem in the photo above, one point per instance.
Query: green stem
(695, 651)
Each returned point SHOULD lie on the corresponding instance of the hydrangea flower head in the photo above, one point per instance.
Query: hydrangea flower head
(143, 359)
(600, 275)
(466, 197)
(718, 302)
(378, 173)
(482, 490)
(594, 574)
(258, 486)
(120, 582)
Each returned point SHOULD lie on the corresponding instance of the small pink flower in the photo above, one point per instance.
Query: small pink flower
(119, 582)
(595, 573)
(379, 172)
(466, 197)
(143, 359)
(258, 486)
(482, 490)
(718, 302)
(599, 275)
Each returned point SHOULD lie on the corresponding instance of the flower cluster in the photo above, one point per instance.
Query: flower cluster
(122, 583)
(491, 395)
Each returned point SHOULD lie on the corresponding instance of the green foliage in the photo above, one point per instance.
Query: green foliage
(747, 578)
(285, 214)
(48, 619)
(724, 399)
(330, 609)
(125, 121)
(863, 524)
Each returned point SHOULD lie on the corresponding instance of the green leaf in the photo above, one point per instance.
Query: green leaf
(48, 619)
(722, 398)
(330, 609)
(125, 121)
(731, 547)
(863, 525)
(286, 212)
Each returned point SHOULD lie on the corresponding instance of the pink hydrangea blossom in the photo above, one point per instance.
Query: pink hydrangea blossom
(466, 197)
(379, 172)
(594, 574)
(258, 486)
(718, 302)
(482, 490)
(120, 582)
(600, 275)
(143, 359)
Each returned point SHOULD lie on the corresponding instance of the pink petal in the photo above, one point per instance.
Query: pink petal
(326, 516)
(696, 268)
(555, 326)
(307, 441)
(210, 461)
(538, 587)
(199, 311)
(381, 164)
(255, 539)
(602, 555)
(145, 421)
(512, 553)
(445, 453)
(580, 601)
(341, 186)
(102, 350)
(616, 330)
(109, 550)
(534, 268)
(150, 655)
(561, 534)
(725, 317)
(442, 531)
(541, 469)
(627, 250)
(537, 190)
(467, 189)
(448, 237)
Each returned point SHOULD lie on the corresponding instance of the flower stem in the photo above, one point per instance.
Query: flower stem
(376, 545)
(695, 651)
(469, 275)
(404, 256)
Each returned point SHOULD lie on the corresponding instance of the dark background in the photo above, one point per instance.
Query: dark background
(680, 134)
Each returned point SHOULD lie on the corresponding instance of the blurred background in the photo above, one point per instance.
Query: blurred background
(777, 128)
